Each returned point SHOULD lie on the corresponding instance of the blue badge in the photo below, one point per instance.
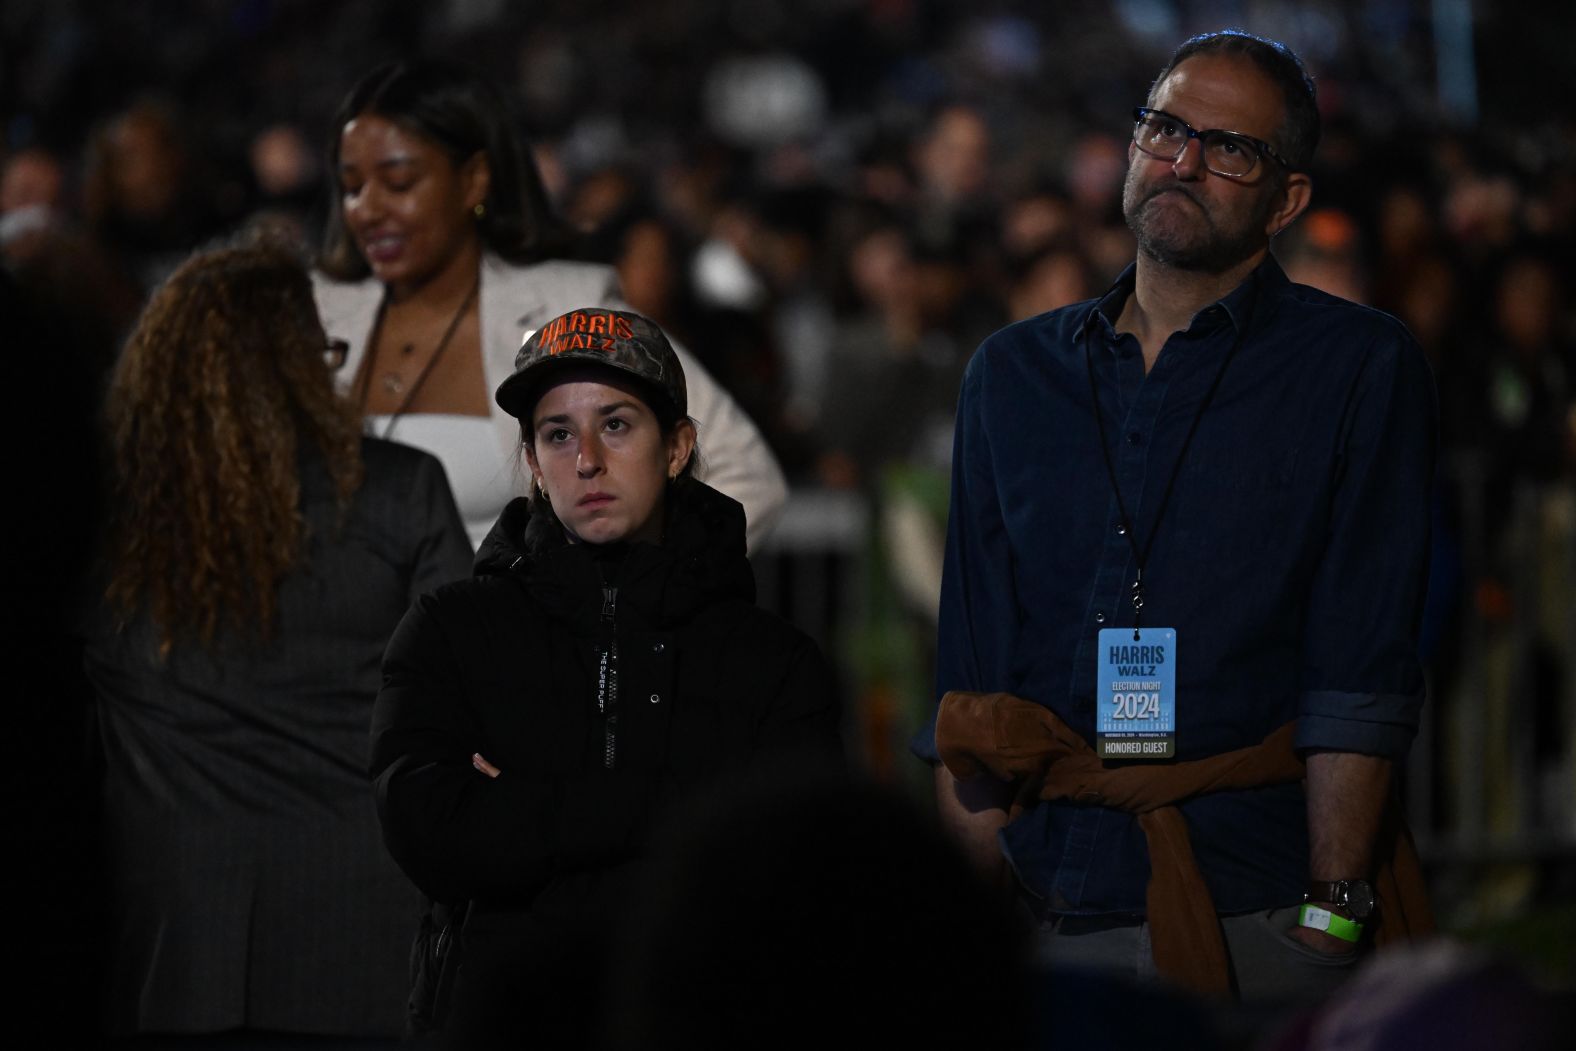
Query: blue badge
(1136, 694)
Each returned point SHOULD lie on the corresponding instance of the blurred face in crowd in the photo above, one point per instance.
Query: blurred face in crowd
(599, 453)
(408, 206)
(146, 167)
(282, 162)
(1406, 224)
(32, 179)
(647, 270)
(1057, 279)
(955, 158)
(1031, 224)
(1185, 216)
(1427, 302)
(883, 271)
(1527, 305)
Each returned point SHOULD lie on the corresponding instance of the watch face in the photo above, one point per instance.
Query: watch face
(1359, 899)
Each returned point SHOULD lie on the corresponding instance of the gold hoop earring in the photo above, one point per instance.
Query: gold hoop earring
(480, 211)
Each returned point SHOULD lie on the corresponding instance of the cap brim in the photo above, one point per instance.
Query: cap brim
(519, 394)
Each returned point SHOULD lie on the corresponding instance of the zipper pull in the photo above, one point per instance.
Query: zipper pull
(607, 686)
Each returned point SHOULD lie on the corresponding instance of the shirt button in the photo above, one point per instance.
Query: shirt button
(655, 699)
(657, 647)
(1099, 617)
(1121, 530)
(1134, 438)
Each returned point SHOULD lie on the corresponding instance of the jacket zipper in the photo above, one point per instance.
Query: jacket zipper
(607, 678)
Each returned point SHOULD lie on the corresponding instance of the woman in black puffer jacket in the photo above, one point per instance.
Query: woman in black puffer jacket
(606, 660)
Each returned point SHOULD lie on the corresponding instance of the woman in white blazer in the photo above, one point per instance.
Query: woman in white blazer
(440, 257)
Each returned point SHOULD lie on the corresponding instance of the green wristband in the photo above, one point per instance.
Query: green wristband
(1315, 918)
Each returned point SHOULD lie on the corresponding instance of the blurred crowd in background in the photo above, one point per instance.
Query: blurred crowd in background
(832, 201)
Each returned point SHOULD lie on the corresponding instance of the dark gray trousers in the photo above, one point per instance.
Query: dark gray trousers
(1269, 967)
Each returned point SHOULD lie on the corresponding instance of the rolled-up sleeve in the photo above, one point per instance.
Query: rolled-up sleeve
(1362, 681)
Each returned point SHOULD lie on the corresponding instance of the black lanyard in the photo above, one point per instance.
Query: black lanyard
(369, 362)
(1141, 555)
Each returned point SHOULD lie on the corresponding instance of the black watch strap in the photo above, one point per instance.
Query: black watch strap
(1354, 895)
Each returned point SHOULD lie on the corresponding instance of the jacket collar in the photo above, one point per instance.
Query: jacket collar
(509, 310)
(701, 560)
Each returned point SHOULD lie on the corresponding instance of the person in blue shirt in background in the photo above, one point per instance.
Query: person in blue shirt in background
(1239, 467)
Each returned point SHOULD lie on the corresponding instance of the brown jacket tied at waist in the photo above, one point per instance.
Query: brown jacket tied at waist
(1029, 745)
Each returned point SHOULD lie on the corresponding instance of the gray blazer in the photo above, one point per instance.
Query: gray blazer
(515, 301)
(250, 883)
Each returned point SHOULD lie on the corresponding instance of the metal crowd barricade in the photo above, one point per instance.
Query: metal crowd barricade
(807, 569)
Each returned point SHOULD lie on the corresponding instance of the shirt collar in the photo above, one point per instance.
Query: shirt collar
(1267, 280)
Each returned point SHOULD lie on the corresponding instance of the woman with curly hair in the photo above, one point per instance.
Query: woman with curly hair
(259, 553)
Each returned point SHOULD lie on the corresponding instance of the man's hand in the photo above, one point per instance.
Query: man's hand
(483, 766)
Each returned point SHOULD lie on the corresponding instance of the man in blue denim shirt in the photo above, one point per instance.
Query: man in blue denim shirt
(1264, 451)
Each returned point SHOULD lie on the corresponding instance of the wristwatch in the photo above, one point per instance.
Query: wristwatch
(1356, 896)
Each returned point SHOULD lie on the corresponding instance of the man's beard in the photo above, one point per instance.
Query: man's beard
(1206, 248)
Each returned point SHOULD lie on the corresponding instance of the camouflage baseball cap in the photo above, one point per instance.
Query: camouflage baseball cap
(616, 339)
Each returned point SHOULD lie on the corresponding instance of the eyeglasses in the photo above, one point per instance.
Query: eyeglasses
(1227, 153)
(334, 354)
